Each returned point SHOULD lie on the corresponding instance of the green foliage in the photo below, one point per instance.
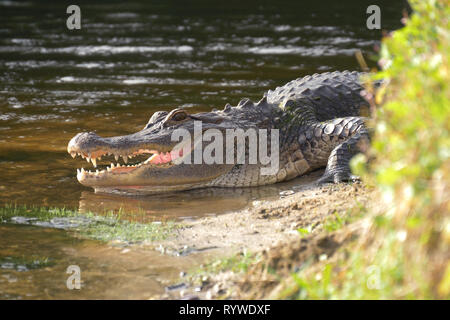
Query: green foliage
(358, 276)
(406, 253)
(304, 231)
(412, 140)
(411, 146)
(334, 223)
(236, 263)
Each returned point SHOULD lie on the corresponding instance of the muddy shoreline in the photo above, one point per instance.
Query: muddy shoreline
(281, 232)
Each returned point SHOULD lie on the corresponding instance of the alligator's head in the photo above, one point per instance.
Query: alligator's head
(163, 166)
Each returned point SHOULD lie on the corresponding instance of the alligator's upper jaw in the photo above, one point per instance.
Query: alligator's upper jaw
(156, 172)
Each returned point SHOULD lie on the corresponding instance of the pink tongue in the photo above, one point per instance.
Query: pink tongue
(167, 157)
(160, 158)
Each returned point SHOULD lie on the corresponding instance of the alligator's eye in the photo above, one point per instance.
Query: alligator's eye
(179, 116)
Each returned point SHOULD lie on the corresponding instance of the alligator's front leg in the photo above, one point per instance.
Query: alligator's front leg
(333, 143)
(338, 168)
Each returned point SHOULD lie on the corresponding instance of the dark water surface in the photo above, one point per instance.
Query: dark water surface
(132, 58)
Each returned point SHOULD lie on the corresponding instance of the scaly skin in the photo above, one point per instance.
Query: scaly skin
(319, 123)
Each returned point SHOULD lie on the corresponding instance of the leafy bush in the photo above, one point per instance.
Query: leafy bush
(406, 252)
(411, 146)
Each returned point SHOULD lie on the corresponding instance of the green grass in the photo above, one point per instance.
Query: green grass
(335, 222)
(305, 231)
(106, 227)
(41, 213)
(22, 262)
(353, 277)
(130, 232)
(238, 263)
(338, 220)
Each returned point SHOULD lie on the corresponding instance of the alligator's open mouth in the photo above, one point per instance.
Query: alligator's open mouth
(134, 164)
(132, 160)
(152, 157)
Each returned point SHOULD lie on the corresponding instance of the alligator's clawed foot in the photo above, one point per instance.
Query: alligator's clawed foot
(337, 178)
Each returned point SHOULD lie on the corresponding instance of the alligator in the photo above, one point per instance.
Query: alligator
(320, 121)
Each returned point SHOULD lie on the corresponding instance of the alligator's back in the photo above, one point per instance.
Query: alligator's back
(330, 95)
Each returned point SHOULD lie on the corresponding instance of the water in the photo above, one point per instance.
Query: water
(136, 57)
(107, 272)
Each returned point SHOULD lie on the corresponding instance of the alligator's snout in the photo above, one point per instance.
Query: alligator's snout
(83, 142)
(90, 146)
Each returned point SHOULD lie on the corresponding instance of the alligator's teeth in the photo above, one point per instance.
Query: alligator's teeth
(78, 171)
(112, 165)
(125, 159)
(94, 162)
(99, 158)
(73, 154)
(108, 169)
(116, 157)
(82, 170)
(88, 159)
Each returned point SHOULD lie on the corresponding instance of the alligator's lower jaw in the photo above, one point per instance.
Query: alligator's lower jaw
(146, 190)
(115, 173)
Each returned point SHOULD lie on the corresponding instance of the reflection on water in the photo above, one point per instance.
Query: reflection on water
(193, 203)
(106, 272)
